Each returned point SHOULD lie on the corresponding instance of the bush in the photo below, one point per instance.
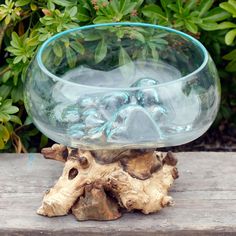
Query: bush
(25, 24)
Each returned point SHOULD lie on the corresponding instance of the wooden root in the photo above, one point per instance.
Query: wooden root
(94, 188)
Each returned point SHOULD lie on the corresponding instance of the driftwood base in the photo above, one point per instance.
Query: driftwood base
(97, 185)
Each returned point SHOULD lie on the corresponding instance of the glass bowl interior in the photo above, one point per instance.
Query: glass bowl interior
(122, 85)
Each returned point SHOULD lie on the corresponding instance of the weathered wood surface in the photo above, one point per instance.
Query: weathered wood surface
(205, 196)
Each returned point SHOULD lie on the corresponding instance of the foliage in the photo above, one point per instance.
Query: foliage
(25, 24)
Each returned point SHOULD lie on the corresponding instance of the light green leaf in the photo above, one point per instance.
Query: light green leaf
(100, 51)
(230, 36)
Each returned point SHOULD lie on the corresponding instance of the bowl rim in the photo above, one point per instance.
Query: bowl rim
(168, 29)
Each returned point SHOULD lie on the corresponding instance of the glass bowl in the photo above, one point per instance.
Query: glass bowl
(122, 85)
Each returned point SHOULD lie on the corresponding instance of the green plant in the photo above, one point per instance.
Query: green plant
(25, 24)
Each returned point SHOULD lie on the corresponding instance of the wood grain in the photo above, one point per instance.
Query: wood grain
(205, 196)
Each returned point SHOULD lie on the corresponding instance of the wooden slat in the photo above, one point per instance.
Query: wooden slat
(205, 196)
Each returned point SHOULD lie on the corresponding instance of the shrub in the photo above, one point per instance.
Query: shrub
(25, 24)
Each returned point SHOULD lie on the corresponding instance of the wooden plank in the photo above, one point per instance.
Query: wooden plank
(205, 196)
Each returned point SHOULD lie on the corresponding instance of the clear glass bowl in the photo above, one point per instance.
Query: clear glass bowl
(122, 85)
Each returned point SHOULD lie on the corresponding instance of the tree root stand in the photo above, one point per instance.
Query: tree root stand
(99, 185)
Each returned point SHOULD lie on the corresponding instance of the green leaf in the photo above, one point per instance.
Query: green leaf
(2, 144)
(139, 3)
(100, 51)
(191, 27)
(71, 57)
(101, 19)
(124, 57)
(21, 3)
(7, 19)
(229, 7)
(123, 5)
(5, 91)
(126, 64)
(10, 109)
(73, 11)
(16, 40)
(230, 36)
(205, 6)
(17, 93)
(115, 6)
(65, 3)
(129, 8)
(231, 67)
(155, 53)
(230, 56)
(208, 25)
(50, 5)
(138, 36)
(216, 14)
(57, 49)
(154, 11)
(4, 134)
(190, 4)
(78, 47)
(28, 120)
(43, 141)
(15, 119)
(226, 25)
(91, 37)
(4, 117)
(173, 7)
(83, 14)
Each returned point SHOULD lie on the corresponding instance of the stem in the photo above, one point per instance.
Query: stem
(7, 68)
(2, 32)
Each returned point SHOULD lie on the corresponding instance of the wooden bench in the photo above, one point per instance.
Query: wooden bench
(205, 200)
